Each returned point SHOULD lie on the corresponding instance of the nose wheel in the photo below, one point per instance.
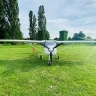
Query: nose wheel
(49, 62)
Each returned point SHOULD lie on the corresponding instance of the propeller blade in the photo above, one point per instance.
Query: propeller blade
(58, 45)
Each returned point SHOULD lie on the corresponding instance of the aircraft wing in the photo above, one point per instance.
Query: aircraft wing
(78, 41)
(42, 41)
(26, 41)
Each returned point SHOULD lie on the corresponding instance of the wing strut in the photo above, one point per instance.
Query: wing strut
(44, 45)
(58, 45)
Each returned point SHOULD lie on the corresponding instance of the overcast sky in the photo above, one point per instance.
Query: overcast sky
(70, 15)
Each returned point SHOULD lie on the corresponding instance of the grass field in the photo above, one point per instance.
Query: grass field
(22, 73)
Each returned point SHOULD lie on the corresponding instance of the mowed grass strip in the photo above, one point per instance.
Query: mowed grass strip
(22, 73)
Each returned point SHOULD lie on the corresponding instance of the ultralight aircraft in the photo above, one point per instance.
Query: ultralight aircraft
(49, 45)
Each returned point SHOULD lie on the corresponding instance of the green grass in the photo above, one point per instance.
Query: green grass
(22, 73)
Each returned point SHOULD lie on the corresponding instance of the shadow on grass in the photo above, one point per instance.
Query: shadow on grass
(31, 63)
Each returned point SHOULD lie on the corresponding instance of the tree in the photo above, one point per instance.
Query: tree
(47, 35)
(32, 26)
(2, 19)
(13, 17)
(56, 38)
(75, 36)
(81, 35)
(88, 37)
(78, 36)
(10, 26)
(42, 32)
(69, 38)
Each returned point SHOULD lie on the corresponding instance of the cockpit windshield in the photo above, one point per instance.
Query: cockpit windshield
(53, 43)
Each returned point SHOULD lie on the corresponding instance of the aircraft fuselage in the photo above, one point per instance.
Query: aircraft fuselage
(50, 49)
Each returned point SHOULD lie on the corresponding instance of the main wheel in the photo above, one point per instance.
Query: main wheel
(41, 57)
(57, 57)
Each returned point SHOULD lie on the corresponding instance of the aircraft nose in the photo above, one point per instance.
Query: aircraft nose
(51, 49)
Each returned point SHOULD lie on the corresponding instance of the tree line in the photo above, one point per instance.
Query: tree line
(40, 32)
(80, 36)
(9, 20)
(76, 36)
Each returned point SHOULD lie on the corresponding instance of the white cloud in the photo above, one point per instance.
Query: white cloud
(71, 15)
(57, 25)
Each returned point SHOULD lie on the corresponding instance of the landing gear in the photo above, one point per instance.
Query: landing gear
(41, 57)
(49, 62)
(50, 59)
(57, 57)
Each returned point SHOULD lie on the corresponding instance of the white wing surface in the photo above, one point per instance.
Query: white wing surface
(78, 41)
(26, 41)
(42, 41)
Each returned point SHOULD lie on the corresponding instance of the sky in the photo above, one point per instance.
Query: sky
(71, 15)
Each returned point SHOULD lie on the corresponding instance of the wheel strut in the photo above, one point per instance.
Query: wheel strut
(50, 59)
